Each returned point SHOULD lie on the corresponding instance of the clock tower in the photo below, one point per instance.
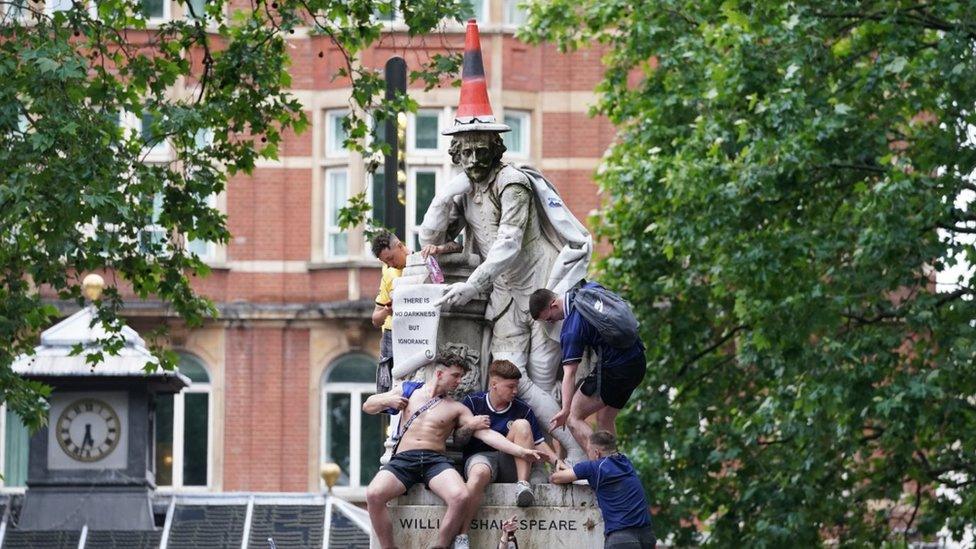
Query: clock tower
(93, 462)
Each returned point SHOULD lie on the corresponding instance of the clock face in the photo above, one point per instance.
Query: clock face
(88, 430)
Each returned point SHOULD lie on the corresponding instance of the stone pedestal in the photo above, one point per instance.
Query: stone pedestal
(562, 517)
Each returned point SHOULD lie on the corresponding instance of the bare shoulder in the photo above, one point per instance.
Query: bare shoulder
(455, 408)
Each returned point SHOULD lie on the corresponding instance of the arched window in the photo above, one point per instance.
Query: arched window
(350, 438)
(183, 430)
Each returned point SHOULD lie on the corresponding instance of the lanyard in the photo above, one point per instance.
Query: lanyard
(427, 405)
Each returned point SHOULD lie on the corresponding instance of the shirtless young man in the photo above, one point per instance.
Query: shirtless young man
(420, 456)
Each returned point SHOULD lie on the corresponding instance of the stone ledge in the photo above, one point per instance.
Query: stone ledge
(503, 495)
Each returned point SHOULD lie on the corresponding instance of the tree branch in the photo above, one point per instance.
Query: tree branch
(697, 356)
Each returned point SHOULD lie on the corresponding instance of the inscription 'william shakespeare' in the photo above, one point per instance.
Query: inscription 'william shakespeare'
(485, 524)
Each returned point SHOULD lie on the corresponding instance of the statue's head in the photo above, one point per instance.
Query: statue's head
(477, 152)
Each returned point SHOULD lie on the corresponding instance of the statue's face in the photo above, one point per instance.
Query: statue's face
(475, 155)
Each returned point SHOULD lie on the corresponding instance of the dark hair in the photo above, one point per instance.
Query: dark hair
(495, 141)
(381, 241)
(448, 359)
(504, 369)
(539, 300)
(605, 440)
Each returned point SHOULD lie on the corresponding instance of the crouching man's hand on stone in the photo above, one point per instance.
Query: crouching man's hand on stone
(459, 293)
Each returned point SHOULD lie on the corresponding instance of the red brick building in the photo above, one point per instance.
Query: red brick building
(279, 376)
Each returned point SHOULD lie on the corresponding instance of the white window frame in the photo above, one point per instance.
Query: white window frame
(167, 13)
(330, 226)
(356, 392)
(179, 416)
(153, 227)
(368, 189)
(482, 17)
(412, 147)
(3, 454)
(203, 17)
(3, 444)
(204, 138)
(16, 13)
(333, 149)
(397, 17)
(509, 9)
(413, 229)
(525, 132)
(49, 6)
(210, 247)
(159, 152)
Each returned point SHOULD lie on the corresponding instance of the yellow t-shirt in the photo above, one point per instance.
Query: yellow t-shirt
(386, 289)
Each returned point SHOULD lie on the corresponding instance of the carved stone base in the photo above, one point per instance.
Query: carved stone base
(562, 517)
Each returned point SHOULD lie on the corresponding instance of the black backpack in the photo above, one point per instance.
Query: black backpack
(608, 313)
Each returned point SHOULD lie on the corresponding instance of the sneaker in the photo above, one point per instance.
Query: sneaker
(524, 496)
(461, 542)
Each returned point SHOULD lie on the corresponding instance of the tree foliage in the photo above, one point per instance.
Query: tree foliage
(79, 192)
(784, 188)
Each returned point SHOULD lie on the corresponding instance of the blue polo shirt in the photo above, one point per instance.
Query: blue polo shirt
(577, 334)
(500, 420)
(618, 492)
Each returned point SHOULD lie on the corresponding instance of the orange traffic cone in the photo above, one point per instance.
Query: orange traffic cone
(474, 110)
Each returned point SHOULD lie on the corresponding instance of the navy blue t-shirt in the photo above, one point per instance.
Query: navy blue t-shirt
(500, 420)
(618, 492)
(578, 334)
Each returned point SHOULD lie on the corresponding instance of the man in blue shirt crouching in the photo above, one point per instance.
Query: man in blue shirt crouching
(626, 519)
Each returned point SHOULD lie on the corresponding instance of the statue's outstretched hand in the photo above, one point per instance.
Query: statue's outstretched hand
(458, 293)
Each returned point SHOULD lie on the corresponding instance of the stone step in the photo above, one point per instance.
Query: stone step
(562, 517)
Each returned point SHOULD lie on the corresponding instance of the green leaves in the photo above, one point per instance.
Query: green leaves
(114, 141)
(779, 184)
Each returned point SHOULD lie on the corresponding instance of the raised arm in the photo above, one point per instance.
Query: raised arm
(516, 203)
(376, 404)
(443, 213)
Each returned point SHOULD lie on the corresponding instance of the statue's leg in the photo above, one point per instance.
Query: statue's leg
(512, 339)
(545, 356)
(543, 405)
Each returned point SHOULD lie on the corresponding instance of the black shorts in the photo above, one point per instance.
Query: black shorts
(631, 538)
(616, 384)
(413, 466)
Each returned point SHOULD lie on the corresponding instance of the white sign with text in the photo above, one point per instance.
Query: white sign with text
(415, 322)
